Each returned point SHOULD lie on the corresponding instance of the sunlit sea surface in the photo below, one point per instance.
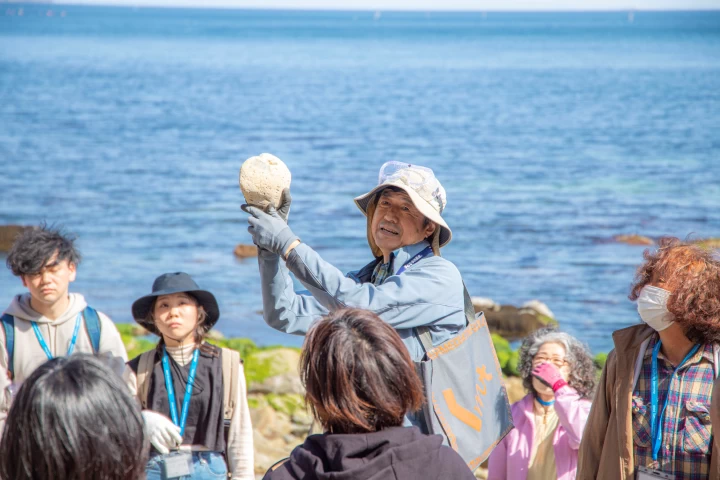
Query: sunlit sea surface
(551, 133)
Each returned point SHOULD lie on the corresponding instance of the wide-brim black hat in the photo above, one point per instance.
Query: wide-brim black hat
(168, 284)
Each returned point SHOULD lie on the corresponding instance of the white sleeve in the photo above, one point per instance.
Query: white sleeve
(112, 350)
(130, 380)
(5, 383)
(240, 439)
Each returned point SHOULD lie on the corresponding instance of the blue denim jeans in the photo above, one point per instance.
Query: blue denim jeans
(206, 466)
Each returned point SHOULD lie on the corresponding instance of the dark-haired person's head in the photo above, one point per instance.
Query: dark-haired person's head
(46, 261)
(691, 277)
(358, 374)
(73, 418)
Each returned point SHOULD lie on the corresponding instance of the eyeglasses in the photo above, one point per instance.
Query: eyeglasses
(558, 362)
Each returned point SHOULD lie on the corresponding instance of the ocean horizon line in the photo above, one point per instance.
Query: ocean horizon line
(311, 9)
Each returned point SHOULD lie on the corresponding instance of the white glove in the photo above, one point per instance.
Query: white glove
(161, 431)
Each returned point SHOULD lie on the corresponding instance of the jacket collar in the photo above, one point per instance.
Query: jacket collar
(403, 254)
(629, 340)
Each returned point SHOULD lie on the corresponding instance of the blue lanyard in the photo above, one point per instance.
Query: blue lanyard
(171, 390)
(43, 344)
(655, 422)
(426, 252)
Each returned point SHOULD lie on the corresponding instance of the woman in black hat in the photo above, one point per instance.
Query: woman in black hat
(190, 390)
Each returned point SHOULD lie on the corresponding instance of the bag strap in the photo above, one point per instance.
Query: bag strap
(230, 372)
(423, 332)
(8, 322)
(92, 325)
(425, 337)
(470, 315)
(144, 372)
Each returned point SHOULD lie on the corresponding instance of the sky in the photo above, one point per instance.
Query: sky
(424, 5)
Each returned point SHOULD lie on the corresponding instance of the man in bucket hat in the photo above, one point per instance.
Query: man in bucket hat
(408, 284)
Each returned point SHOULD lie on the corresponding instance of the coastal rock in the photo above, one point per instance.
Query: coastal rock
(538, 307)
(286, 383)
(245, 251)
(515, 389)
(483, 304)
(264, 364)
(513, 323)
(633, 239)
(8, 234)
(275, 434)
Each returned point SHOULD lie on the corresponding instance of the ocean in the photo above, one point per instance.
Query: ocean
(551, 132)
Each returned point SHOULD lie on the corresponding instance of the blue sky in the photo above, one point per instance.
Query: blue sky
(425, 5)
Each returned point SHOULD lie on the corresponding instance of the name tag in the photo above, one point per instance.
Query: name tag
(177, 465)
(650, 474)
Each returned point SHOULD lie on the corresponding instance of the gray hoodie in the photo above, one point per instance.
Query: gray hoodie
(57, 333)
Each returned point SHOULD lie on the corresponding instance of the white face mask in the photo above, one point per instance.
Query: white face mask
(652, 307)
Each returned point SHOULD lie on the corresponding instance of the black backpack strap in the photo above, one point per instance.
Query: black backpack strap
(92, 325)
(8, 322)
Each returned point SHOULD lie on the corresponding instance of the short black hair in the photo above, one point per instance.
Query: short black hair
(73, 418)
(35, 246)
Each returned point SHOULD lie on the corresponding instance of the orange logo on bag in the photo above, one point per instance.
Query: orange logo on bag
(463, 414)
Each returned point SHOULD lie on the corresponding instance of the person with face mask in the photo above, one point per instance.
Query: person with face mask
(560, 375)
(650, 418)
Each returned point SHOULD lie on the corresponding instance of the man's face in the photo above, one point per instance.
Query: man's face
(397, 223)
(51, 284)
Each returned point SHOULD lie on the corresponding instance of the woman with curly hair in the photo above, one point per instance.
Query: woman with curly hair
(651, 414)
(560, 375)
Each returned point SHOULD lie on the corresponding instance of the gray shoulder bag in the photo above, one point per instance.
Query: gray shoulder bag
(466, 401)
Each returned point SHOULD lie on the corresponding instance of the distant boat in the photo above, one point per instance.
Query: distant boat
(377, 15)
(631, 17)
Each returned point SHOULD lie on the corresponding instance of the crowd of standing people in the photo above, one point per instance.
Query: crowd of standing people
(73, 406)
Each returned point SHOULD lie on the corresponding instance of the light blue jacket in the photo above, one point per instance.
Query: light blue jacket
(430, 292)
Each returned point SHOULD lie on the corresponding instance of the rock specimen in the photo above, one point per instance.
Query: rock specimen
(262, 180)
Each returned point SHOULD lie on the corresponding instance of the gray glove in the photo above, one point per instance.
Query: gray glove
(269, 230)
(285, 200)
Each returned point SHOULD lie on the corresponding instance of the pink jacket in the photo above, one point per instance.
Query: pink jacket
(510, 459)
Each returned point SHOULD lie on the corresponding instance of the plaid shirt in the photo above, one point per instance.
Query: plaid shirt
(382, 271)
(686, 430)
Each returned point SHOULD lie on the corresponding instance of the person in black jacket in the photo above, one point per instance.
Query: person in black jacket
(360, 383)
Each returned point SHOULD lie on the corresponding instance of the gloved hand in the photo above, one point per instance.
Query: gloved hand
(549, 374)
(161, 431)
(285, 200)
(269, 230)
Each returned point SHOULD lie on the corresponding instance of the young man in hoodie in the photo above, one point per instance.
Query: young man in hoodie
(48, 321)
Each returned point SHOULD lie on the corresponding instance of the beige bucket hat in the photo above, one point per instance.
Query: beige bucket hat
(423, 188)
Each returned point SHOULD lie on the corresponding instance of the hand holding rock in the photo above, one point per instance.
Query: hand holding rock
(269, 230)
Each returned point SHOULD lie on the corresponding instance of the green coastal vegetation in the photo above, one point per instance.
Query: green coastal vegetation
(262, 363)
